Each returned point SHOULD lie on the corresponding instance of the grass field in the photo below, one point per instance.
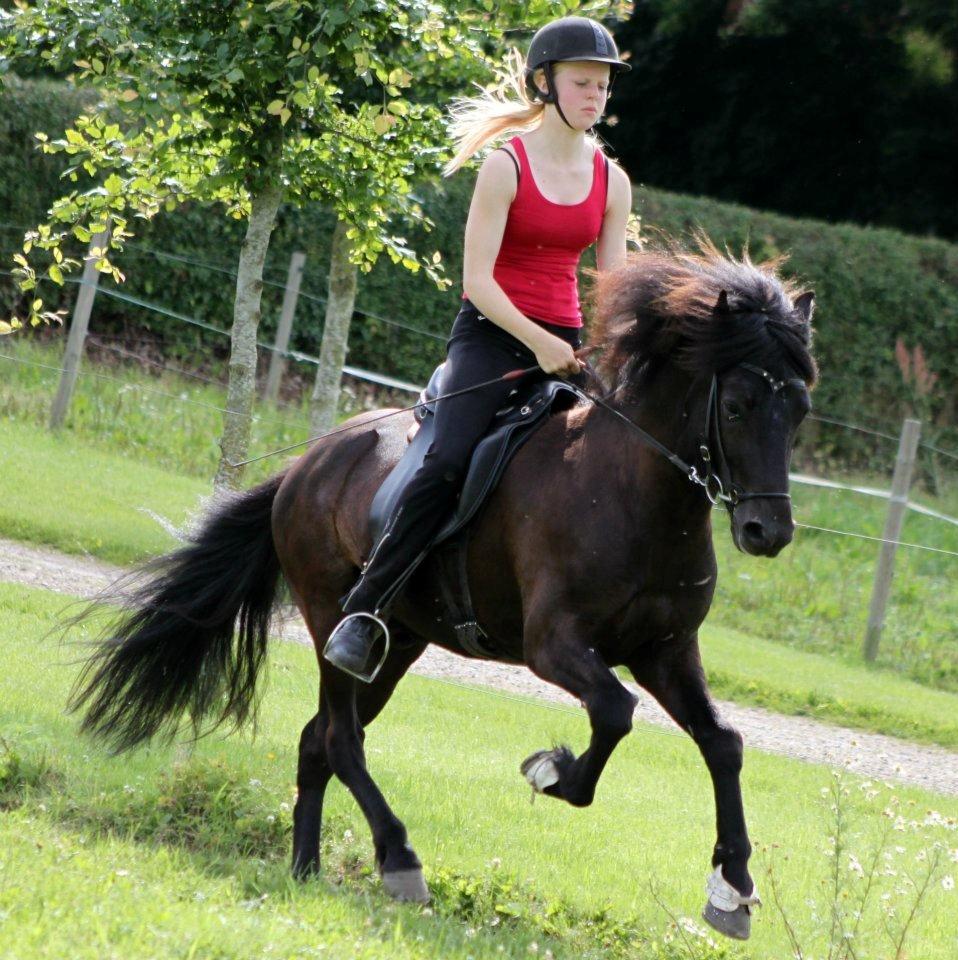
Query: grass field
(813, 597)
(167, 853)
(91, 498)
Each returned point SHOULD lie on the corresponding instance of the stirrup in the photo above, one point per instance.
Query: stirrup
(384, 633)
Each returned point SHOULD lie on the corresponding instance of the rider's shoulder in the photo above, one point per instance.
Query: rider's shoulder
(498, 172)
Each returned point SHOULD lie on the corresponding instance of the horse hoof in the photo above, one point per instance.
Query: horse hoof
(540, 770)
(735, 923)
(406, 885)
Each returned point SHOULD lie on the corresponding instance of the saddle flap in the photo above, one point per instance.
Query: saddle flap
(511, 428)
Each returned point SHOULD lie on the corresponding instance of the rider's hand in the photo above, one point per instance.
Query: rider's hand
(554, 355)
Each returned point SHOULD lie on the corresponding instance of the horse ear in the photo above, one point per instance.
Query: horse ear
(805, 305)
(721, 305)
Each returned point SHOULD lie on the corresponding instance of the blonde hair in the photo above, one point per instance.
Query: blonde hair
(477, 121)
(503, 108)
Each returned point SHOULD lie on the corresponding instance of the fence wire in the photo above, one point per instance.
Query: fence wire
(141, 250)
(160, 393)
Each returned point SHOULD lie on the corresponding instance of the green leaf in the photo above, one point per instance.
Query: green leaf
(113, 184)
(276, 107)
(97, 65)
(284, 115)
(313, 74)
(56, 275)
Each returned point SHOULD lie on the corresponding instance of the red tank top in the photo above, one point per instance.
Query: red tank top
(543, 242)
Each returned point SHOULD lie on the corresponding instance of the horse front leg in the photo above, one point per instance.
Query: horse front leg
(560, 654)
(676, 679)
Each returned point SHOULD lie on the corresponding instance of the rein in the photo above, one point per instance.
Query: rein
(718, 486)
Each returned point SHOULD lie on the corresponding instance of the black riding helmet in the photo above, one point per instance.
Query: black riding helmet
(565, 40)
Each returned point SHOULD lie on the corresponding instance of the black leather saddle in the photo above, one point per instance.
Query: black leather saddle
(527, 408)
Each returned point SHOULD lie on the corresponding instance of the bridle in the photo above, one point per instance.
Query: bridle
(715, 477)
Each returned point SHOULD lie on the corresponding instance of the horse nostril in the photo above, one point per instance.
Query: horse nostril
(754, 531)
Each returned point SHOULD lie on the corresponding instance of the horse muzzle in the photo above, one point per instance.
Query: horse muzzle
(762, 528)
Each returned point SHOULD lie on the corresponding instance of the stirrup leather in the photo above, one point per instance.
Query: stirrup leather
(384, 630)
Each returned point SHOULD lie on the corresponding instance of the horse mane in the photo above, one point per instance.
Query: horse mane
(667, 302)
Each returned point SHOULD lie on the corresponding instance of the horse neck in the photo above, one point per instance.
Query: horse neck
(649, 481)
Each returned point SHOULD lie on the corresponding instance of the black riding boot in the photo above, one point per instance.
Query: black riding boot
(362, 632)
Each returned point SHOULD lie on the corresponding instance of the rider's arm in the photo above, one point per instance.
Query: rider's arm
(610, 247)
(494, 192)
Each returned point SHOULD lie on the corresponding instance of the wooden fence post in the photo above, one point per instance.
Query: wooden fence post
(78, 328)
(277, 363)
(904, 466)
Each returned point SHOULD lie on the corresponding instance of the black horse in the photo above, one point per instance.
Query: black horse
(594, 552)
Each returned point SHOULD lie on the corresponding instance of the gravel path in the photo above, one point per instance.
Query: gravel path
(868, 754)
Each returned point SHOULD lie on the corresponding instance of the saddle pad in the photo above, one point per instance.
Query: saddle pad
(511, 428)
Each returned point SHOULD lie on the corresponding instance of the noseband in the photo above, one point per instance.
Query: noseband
(715, 477)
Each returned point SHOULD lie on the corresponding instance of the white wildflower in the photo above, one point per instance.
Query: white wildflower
(948, 882)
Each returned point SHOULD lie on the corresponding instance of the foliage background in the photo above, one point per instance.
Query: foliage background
(873, 285)
(843, 111)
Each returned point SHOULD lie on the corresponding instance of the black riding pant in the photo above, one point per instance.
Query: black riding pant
(477, 350)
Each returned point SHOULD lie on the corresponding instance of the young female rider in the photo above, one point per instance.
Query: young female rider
(539, 201)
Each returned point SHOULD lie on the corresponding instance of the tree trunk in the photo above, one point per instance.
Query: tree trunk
(332, 354)
(234, 443)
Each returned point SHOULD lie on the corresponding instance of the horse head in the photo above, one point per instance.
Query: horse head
(731, 341)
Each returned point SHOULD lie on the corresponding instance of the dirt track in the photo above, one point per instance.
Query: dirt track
(868, 754)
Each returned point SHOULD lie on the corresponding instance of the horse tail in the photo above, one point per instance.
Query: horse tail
(195, 634)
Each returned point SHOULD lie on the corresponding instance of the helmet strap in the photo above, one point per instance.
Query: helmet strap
(553, 95)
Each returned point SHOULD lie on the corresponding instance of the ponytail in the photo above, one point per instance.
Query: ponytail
(504, 108)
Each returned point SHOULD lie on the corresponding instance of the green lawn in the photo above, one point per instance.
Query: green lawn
(165, 854)
(80, 499)
(814, 597)
(83, 498)
(747, 669)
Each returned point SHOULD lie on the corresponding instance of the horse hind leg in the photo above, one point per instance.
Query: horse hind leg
(312, 775)
(332, 743)
(314, 768)
(349, 711)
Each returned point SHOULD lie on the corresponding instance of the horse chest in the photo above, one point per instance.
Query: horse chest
(676, 610)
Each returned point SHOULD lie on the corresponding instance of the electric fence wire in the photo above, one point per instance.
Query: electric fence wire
(862, 536)
(297, 355)
(136, 249)
(97, 341)
(160, 393)
(140, 250)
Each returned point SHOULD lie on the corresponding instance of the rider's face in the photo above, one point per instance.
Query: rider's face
(583, 88)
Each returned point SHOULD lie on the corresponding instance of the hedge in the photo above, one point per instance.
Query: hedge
(873, 285)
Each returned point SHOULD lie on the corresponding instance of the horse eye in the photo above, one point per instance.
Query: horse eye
(733, 411)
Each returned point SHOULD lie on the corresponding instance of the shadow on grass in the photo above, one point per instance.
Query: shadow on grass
(232, 827)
